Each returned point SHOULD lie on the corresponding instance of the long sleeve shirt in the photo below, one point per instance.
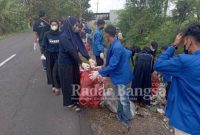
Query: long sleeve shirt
(118, 66)
(183, 105)
(98, 43)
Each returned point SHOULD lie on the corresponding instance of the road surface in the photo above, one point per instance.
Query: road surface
(27, 106)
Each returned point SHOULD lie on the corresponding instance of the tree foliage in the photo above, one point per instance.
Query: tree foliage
(143, 21)
(12, 17)
(17, 15)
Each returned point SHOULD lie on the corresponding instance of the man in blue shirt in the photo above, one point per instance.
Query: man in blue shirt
(183, 105)
(98, 48)
(118, 68)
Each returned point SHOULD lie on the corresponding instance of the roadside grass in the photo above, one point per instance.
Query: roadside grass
(4, 36)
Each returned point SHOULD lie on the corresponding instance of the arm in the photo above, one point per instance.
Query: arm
(35, 37)
(35, 33)
(167, 64)
(113, 63)
(44, 43)
(75, 56)
(68, 48)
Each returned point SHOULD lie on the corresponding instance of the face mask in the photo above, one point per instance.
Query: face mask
(101, 28)
(75, 29)
(152, 49)
(185, 50)
(54, 28)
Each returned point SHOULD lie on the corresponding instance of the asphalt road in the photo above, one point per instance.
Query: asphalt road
(27, 106)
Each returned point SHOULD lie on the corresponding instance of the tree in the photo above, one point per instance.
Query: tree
(12, 16)
(15, 15)
(143, 21)
(139, 19)
(184, 9)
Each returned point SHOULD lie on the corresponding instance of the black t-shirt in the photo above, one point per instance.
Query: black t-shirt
(51, 41)
(41, 27)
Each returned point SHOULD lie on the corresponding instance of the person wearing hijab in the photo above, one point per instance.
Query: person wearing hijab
(141, 84)
(51, 46)
(135, 49)
(69, 62)
(154, 48)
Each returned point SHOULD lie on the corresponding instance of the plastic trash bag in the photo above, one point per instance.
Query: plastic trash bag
(91, 90)
(110, 101)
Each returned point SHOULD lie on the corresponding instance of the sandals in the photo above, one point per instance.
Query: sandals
(53, 89)
(57, 92)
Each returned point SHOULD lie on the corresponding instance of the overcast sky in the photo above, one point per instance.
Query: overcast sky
(107, 5)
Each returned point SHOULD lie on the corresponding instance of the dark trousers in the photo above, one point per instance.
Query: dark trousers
(99, 61)
(52, 69)
(69, 75)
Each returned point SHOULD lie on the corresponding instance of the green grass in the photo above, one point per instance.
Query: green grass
(4, 36)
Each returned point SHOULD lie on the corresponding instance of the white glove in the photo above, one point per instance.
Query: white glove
(85, 66)
(35, 46)
(43, 57)
(102, 56)
(94, 75)
(92, 63)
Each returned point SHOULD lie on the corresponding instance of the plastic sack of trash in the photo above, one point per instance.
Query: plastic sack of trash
(110, 101)
(91, 90)
(158, 90)
(155, 84)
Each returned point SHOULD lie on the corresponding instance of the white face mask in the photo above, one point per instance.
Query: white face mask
(75, 28)
(54, 28)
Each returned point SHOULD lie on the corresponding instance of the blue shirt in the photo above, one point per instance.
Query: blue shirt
(118, 66)
(97, 42)
(167, 78)
(51, 42)
(183, 105)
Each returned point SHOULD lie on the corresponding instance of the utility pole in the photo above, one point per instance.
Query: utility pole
(97, 6)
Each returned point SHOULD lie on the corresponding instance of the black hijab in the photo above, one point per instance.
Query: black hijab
(67, 32)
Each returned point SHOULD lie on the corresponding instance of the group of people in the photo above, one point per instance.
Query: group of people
(61, 44)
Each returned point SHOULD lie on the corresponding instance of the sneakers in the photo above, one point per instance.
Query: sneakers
(74, 107)
(70, 106)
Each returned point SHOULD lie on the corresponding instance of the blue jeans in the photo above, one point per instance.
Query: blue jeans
(124, 109)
